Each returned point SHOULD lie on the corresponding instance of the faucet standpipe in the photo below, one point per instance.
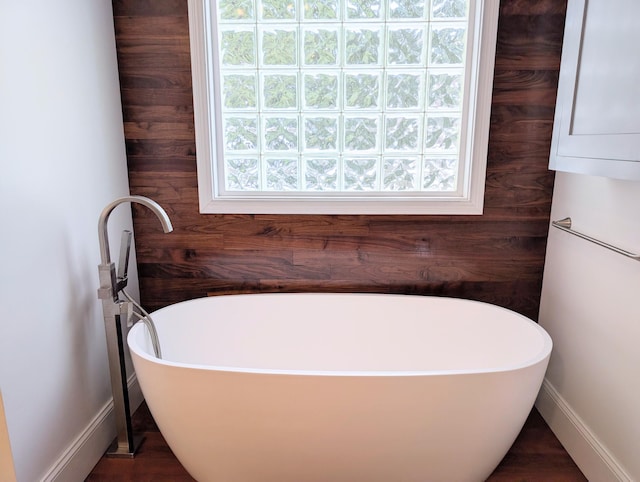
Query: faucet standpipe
(117, 315)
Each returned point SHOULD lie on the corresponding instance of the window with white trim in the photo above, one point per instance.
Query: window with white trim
(342, 106)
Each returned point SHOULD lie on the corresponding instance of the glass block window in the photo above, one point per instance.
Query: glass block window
(340, 100)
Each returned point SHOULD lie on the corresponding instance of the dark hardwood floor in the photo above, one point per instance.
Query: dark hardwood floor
(536, 456)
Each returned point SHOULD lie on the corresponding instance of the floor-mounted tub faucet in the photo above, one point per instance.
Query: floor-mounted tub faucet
(117, 314)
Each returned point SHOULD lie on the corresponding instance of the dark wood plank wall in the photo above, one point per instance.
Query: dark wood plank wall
(497, 257)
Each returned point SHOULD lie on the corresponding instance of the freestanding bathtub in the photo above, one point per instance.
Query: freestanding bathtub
(340, 387)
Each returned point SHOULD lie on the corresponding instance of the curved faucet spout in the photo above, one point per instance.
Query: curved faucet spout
(105, 257)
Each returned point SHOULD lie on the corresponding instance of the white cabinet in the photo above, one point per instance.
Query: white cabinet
(597, 121)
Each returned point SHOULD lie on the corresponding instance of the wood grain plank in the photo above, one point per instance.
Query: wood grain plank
(151, 27)
(160, 150)
(176, 97)
(150, 8)
(525, 87)
(158, 130)
(161, 114)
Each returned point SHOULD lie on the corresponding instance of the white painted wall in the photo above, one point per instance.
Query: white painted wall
(591, 308)
(63, 159)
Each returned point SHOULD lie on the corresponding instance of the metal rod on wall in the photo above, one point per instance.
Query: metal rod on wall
(565, 225)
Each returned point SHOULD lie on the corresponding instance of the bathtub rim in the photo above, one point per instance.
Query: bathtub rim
(543, 355)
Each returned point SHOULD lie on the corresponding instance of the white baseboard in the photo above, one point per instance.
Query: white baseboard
(584, 447)
(77, 461)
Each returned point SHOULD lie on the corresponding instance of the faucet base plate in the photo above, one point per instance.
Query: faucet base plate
(125, 451)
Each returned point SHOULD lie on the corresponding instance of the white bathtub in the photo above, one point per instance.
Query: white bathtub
(340, 387)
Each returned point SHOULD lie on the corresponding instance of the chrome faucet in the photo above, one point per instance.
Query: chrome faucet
(117, 314)
(103, 235)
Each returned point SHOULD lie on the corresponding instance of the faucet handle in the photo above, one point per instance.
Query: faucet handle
(123, 263)
(126, 312)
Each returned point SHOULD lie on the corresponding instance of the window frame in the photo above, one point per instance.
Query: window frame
(474, 140)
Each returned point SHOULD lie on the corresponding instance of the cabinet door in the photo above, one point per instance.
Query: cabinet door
(597, 120)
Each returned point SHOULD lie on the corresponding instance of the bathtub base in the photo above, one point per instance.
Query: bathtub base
(287, 428)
